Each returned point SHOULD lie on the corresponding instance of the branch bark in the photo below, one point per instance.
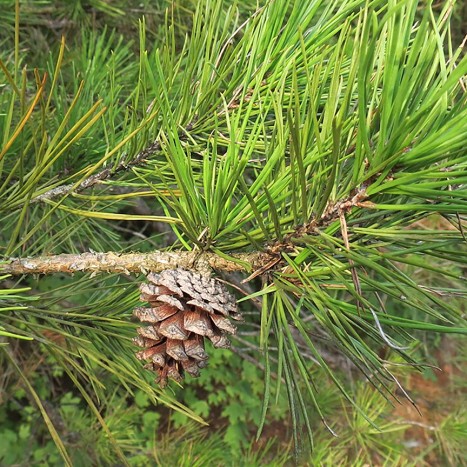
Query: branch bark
(128, 263)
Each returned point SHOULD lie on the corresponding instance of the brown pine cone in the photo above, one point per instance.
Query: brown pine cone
(184, 308)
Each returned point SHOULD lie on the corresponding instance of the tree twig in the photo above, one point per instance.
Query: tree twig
(104, 174)
(127, 263)
(332, 213)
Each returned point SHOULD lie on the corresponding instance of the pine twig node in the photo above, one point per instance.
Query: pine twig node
(184, 308)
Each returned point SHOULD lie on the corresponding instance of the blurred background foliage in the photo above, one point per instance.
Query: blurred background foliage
(99, 92)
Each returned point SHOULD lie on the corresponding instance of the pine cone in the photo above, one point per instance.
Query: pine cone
(185, 307)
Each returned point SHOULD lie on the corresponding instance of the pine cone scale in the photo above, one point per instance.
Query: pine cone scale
(194, 347)
(173, 328)
(176, 350)
(154, 314)
(198, 323)
(223, 323)
(149, 332)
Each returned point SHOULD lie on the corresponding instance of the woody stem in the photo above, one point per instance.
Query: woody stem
(127, 263)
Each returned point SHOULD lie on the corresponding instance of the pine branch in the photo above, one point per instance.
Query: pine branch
(106, 174)
(157, 261)
(101, 176)
(127, 263)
